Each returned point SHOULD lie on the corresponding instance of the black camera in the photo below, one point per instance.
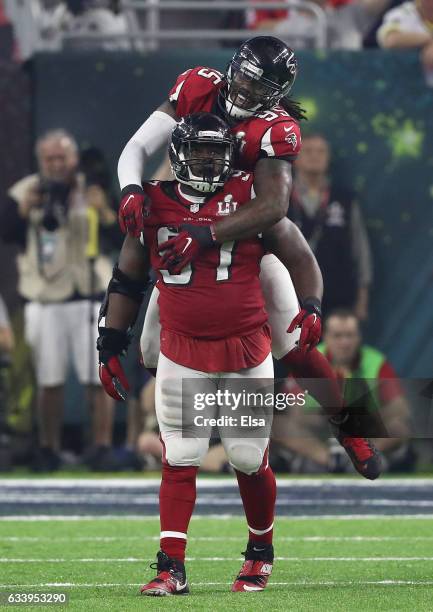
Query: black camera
(54, 196)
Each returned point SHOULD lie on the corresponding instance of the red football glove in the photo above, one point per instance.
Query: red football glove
(131, 210)
(181, 250)
(113, 379)
(309, 319)
(111, 344)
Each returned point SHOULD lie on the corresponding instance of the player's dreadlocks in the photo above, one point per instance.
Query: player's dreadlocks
(294, 108)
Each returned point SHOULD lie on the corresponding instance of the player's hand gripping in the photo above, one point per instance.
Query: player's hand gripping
(132, 210)
(309, 320)
(176, 253)
(111, 344)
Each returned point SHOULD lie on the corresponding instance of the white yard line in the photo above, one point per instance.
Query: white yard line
(206, 483)
(113, 500)
(198, 517)
(213, 559)
(335, 583)
(139, 538)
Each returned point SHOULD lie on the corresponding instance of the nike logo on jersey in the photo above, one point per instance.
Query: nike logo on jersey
(289, 129)
(189, 240)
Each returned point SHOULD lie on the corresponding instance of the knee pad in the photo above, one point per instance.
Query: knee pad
(185, 451)
(244, 457)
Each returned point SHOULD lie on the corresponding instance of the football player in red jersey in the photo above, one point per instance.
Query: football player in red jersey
(214, 333)
(253, 97)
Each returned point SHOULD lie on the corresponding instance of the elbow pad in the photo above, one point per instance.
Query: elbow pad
(123, 284)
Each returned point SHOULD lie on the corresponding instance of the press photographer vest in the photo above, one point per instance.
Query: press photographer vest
(329, 236)
(54, 266)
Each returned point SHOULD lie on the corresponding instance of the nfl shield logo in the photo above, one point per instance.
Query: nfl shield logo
(194, 208)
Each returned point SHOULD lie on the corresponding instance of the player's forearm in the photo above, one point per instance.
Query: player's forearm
(287, 243)
(272, 186)
(124, 299)
(122, 312)
(307, 277)
(250, 220)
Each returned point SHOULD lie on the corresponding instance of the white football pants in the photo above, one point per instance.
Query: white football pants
(179, 396)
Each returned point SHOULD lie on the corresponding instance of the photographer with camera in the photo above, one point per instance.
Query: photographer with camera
(55, 216)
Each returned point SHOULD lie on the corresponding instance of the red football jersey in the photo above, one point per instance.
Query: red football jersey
(219, 294)
(272, 133)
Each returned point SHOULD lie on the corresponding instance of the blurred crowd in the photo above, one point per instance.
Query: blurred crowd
(111, 25)
(347, 24)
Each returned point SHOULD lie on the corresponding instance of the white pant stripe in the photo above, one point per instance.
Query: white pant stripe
(173, 534)
(260, 531)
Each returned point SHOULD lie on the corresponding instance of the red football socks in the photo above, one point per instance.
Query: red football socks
(176, 504)
(314, 365)
(258, 492)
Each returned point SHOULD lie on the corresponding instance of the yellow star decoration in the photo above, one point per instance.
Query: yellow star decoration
(404, 138)
(406, 141)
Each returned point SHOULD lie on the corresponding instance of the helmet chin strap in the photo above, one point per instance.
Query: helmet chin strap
(199, 185)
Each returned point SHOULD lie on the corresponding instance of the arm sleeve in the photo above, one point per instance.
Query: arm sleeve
(361, 247)
(150, 137)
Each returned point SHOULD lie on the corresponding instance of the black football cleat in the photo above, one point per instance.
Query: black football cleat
(170, 580)
(256, 569)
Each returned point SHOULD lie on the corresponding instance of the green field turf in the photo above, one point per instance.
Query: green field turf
(381, 564)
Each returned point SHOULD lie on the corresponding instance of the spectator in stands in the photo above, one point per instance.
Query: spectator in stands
(410, 26)
(332, 223)
(82, 19)
(370, 382)
(51, 215)
(87, 17)
(347, 22)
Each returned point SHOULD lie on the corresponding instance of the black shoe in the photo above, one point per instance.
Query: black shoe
(46, 460)
(170, 580)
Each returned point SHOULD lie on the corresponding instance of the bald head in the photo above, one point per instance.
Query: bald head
(57, 154)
